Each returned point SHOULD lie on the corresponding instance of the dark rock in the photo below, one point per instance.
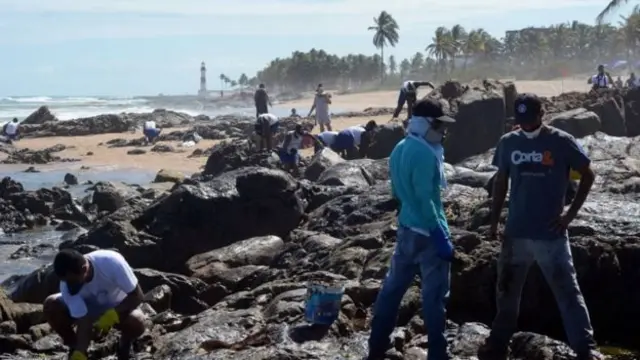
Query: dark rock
(578, 122)
(70, 179)
(40, 116)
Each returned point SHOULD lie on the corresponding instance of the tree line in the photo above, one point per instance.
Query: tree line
(461, 53)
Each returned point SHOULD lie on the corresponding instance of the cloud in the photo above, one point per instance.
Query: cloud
(282, 7)
(38, 21)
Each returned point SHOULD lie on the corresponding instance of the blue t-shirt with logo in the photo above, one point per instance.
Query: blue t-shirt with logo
(539, 172)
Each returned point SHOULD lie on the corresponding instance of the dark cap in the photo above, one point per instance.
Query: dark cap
(528, 108)
(431, 109)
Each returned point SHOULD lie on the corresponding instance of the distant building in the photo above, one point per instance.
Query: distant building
(203, 81)
(529, 30)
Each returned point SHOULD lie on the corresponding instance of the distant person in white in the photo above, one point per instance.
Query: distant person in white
(11, 129)
(98, 291)
(266, 126)
(321, 104)
(150, 131)
(347, 142)
(601, 80)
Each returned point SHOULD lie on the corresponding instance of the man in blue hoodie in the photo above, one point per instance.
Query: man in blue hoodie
(423, 244)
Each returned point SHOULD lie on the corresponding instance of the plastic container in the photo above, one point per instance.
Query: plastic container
(323, 302)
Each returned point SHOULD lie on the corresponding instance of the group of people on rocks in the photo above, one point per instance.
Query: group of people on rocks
(99, 290)
(346, 142)
(603, 80)
(539, 161)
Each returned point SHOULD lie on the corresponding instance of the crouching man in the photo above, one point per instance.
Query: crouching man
(98, 291)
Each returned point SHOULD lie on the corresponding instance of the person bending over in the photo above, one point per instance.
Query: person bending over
(290, 151)
(266, 127)
(408, 94)
(150, 131)
(11, 130)
(347, 142)
(98, 291)
(536, 159)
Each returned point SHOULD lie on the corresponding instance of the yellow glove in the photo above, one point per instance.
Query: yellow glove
(77, 355)
(107, 321)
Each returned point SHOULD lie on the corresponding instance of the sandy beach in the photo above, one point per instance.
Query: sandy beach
(361, 101)
(178, 161)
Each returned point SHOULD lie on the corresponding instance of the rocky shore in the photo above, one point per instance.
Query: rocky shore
(225, 255)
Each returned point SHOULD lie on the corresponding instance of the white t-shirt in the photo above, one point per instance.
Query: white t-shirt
(296, 141)
(357, 132)
(112, 280)
(408, 85)
(12, 128)
(600, 80)
(328, 137)
(272, 119)
(150, 124)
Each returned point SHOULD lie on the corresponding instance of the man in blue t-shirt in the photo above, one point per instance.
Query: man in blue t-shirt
(537, 160)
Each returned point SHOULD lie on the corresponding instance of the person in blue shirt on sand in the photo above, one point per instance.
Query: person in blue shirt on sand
(537, 159)
(416, 168)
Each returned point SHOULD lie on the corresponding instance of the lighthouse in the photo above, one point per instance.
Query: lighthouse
(203, 81)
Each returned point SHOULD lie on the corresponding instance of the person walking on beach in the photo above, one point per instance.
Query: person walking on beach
(321, 104)
(537, 159)
(266, 126)
(290, 151)
(408, 94)
(601, 80)
(347, 142)
(150, 131)
(98, 291)
(262, 101)
(416, 168)
(11, 129)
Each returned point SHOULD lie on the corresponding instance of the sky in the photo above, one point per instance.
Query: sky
(147, 47)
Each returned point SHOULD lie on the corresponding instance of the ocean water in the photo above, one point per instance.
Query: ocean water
(66, 108)
(53, 175)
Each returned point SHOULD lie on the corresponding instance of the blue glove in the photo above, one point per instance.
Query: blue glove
(444, 247)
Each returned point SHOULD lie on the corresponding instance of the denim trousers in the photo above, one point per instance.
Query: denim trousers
(556, 262)
(414, 254)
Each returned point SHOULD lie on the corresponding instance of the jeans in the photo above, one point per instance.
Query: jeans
(414, 253)
(555, 261)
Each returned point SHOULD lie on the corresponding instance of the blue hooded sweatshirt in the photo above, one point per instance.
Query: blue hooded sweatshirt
(417, 180)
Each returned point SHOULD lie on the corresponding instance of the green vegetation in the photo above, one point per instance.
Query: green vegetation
(531, 53)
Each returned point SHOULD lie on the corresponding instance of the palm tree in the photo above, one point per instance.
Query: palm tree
(458, 34)
(222, 77)
(441, 47)
(611, 7)
(386, 34)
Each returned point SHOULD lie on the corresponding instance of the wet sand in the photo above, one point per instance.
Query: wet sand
(118, 157)
(104, 156)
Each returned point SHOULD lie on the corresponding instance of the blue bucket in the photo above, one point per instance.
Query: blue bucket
(322, 305)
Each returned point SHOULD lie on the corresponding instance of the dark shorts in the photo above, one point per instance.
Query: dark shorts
(344, 141)
(274, 128)
(151, 133)
(288, 158)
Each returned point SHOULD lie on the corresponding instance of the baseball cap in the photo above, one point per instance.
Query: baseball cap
(527, 108)
(432, 109)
